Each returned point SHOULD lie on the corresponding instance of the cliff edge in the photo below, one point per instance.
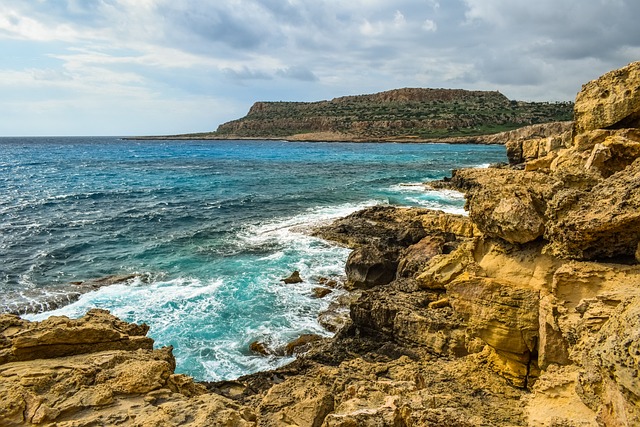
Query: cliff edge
(524, 313)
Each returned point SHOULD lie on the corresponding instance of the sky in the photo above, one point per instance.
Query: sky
(151, 67)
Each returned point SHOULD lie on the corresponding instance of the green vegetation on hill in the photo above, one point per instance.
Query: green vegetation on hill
(400, 113)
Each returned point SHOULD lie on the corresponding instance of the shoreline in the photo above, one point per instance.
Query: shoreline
(502, 138)
(447, 140)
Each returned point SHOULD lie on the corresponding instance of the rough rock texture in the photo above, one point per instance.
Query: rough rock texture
(382, 235)
(601, 223)
(609, 383)
(98, 370)
(60, 336)
(536, 141)
(503, 316)
(581, 196)
(506, 203)
(611, 101)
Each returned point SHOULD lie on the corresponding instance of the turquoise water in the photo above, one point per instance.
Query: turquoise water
(211, 227)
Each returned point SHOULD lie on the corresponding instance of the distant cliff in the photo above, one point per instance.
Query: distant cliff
(396, 115)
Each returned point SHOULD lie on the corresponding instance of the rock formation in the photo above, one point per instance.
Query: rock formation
(98, 370)
(525, 313)
(409, 114)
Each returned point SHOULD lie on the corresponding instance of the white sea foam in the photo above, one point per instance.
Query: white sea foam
(135, 299)
(311, 217)
(421, 194)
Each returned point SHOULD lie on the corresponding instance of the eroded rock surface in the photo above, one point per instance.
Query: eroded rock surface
(98, 370)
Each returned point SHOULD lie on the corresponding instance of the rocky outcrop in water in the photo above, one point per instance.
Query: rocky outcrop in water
(525, 313)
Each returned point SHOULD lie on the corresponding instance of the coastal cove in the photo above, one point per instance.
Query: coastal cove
(202, 230)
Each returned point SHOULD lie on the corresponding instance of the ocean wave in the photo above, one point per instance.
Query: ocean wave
(420, 194)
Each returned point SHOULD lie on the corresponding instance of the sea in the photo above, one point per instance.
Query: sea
(206, 230)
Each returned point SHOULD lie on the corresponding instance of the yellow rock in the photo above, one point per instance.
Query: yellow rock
(611, 101)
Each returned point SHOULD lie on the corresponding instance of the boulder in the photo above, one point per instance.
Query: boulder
(321, 292)
(260, 348)
(293, 278)
(297, 345)
(506, 203)
(610, 102)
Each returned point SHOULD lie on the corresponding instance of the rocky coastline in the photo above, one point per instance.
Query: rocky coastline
(500, 138)
(524, 313)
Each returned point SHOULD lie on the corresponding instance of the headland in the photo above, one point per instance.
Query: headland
(399, 115)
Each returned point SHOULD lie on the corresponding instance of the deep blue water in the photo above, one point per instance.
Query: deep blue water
(211, 226)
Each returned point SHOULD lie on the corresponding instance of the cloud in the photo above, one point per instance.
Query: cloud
(430, 26)
(297, 73)
(246, 73)
(243, 50)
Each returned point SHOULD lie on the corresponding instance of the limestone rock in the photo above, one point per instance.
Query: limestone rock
(414, 258)
(60, 336)
(505, 203)
(505, 317)
(406, 318)
(443, 269)
(531, 142)
(555, 401)
(296, 345)
(612, 101)
(381, 226)
(609, 383)
(86, 372)
(601, 223)
(300, 401)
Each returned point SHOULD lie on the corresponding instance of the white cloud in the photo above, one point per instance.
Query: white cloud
(130, 50)
(430, 26)
(16, 26)
(399, 19)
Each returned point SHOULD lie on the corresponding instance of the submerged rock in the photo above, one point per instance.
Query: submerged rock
(321, 292)
(293, 278)
(299, 343)
(258, 347)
